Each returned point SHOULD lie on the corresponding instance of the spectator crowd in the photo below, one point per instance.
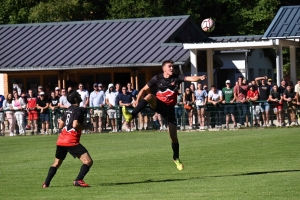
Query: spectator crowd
(242, 104)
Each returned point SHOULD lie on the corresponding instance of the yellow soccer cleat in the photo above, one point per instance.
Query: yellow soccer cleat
(178, 163)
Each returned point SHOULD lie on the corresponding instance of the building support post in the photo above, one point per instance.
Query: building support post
(279, 64)
(293, 70)
(210, 68)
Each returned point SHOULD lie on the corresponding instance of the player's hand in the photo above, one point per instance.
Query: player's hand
(134, 103)
(203, 77)
(59, 120)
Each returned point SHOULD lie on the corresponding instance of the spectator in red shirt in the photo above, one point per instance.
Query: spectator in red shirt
(240, 94)
(252, 96)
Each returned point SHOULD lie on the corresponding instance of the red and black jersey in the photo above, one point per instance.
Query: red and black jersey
(166, 88)
(69, 136)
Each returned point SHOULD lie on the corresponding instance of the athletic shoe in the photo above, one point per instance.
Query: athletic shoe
(80, 183)
(45, 185)
(127, 114)
(11, 134)
(178, 164)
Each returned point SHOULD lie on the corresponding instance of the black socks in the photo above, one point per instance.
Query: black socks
(175, 147)
(51, 173)
(83, 171)
(141, 105)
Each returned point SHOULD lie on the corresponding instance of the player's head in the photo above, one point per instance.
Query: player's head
(167, 67)
(74, 98)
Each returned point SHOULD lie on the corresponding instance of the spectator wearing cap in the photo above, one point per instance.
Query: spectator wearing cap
(97, 102)
(110, 100)
(57, 92)
(228, 103)
(43, 105)
(264, 92)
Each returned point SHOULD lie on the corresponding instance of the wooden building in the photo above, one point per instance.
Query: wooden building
(107, 51)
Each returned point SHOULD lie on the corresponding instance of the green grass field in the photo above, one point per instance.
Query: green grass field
(242, 164)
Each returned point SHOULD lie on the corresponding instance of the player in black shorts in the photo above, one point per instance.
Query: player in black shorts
(69, 141)
(166, 86)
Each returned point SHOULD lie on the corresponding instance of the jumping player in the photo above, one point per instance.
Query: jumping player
(166, 86)
(68, 141)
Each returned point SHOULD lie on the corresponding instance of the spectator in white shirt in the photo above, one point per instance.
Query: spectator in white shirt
(215, 97)
(97, 100)
(110, 99)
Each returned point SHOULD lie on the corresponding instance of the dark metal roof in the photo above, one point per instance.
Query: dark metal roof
(91, 44)
(239, 38)
(286, 23)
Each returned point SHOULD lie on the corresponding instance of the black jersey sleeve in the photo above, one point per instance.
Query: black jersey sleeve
(153, 81)
(181, 78)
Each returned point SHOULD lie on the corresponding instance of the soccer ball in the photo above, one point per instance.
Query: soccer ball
(208, 25)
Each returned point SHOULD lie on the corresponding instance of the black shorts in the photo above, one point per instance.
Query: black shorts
(75, 151)
(166, 111)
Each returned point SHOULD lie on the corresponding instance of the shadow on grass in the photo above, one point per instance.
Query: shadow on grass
(203, 177)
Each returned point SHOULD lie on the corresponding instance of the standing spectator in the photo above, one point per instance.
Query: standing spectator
(110, 100)
(25, 116)
(71, 82)
(288, 81)
(264, 92)
(119, 109)
(178, 110)
(276, 98)
(55, 112)
(84, 96)
(9, 111)
(228, 104)
(40, 89)
(188, 100)
(63, 102)
(19, 106)
(2, 117)
(207, 109)
(215, 97)
(291, 101)
(240, 94)
(270, 83)
(252, 96)
(297, 87)
(134, 93)
(85, 102)
(125, 99)
(201, 100)
(194, 111)
(57, 92)
(32, 112)
(97, 102)
(43, 105)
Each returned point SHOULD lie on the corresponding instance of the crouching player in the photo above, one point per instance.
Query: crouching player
(68, 141)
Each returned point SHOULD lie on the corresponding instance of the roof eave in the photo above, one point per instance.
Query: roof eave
(72, 67)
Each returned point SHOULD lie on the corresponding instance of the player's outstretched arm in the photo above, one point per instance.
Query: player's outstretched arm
(195, 78)
(141, 94)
